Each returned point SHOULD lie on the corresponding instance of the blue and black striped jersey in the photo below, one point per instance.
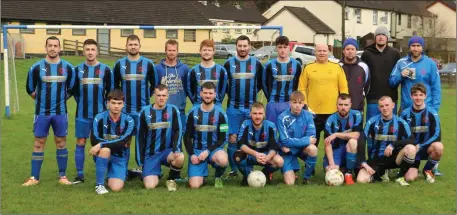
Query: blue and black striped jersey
(280, 79)
(198, 75)
(261, 140)
(336, 124)
(425, 125)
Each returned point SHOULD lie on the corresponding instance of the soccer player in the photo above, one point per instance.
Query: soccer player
(297, 135)
(206, 71)
(417, 68)
(343, 130)
(280, 79)
(94, 80)
(111, 133)
(158, 139)
(425, 126)
(49, 83)
(393, 145)
(136, 76)
(321, 82)
(205, 137)
(244, 82)
(258, 144)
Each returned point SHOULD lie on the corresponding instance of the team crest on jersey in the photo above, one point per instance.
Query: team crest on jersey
(140, 69)
(359, 80)
(262, 136)
(62, 71)
(423, 71)
(165, 115)
(249, 67)
(120, 130)
(97, 72)
(214, 74)
(392, 129)
(424, 119)
(212, 119)
(290, 70)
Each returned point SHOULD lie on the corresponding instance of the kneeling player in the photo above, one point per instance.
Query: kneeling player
(297, 139)
(392, 146)
(111, 133)
(158, 139)
(258, 145)
(425, 125)
(342, 130)
(206, 135)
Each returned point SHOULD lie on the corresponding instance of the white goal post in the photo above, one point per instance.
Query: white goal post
(144, 27)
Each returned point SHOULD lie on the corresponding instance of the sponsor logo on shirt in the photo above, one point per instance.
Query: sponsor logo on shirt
(260, 144)
(283, 77)
(110, 136)
(243, 76)
(158, 125)
(53, 79)
(133, 77)
(91, 81)
(419, 129)
(383, 137)
(205, 128)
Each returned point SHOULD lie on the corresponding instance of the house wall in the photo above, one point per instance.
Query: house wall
(218, 34)
(446, 20)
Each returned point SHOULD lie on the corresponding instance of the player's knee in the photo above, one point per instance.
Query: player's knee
(179, 161)
(104, 152)
(81, 141)
(149, 183)
(222, 161)
(410, 150)
(116, 187)
(239, 156)
(438, 148)
(289, 181)
(278, 161)
(311, 150)
(363, 178)
(194, 184)
(411, 175)
(352, 145)
(60, 142)
(39, 143)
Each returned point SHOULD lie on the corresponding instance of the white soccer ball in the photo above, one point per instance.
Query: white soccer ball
(256, 179)
(334, 177)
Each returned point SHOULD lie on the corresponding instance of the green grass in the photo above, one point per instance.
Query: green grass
(50, 197)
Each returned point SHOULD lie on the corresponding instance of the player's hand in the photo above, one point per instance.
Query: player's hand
(33, 95)
(405, 73)
(388, 151)
(95, 149)
(368, 169)
(330, 139)
(312, 140)
(203, 155)
(194, 159)
(332, 166)
(285, 149)
(418, 147)
(261, 158)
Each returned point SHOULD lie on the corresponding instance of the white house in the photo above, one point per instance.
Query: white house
(445, 26)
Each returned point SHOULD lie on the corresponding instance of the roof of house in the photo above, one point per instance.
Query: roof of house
(450, 4)
(307, 18)
(136, 12)
(247, 11)
(405, 7)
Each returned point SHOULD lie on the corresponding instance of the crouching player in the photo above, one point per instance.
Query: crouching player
(205, 138)
(425, 125)
(297, 139)
(111, 132)
(258, 144)
(392, 145)
(342, 130)
(158, 139)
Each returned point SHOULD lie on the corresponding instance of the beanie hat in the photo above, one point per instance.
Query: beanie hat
(381, 30)
(350, 41)
(416, 39)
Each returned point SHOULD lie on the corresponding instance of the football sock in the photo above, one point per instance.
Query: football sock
(174, 172)
(219, 171)
(37, 161)
(62, 158)
(101, 165)
(79, 160)
(231, 149)
(310, 164)
(430, 164)
(350, 161)
(405, 164)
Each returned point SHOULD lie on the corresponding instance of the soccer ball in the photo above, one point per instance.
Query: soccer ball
(334, 177)
(256, 179)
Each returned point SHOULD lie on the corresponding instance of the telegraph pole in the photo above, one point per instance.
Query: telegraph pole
(343, 26)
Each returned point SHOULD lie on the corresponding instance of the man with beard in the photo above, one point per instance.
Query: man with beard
(358, 78)
(94, 80)
(48, 82)
(342, 130)
(206, 71)
(205, 138)
(136, 76)
(244, 82)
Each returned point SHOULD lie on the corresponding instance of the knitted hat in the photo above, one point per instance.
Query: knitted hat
(350, 41)
(381, 30)
(416, 39)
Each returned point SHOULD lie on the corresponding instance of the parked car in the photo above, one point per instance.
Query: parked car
(448, 69)
(265, 52)
(225, 50)
(306, 54)
(359, 54)
(438, 63)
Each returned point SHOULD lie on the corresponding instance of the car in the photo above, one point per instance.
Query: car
(438, 63)
(305, 54)
(359, 54)
(265, 52)
(225, 50)
(448, 69)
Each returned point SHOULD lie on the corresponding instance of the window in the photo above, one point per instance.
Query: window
(249, 30)
(358, 14)
(385, 18)
(409, 21)
(78, 32)
(149, 33)
(399, 19)
(375, 17)
(172, 34)
(422, 22)
(126, 32)
(27, 31)
(305, 51)
(430, 23)
(225, 30)
(346, 13)
(190, 35)
(53, 31)
(215, 24)
(238, 31)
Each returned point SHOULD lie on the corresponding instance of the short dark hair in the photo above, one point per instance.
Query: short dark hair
(344, 96)
(242, 37)
(52, 38)
(171, 42)
(116, 94)
(209, 86)
(90, 42)
(161, 87)
(419, 87)
(257, 105)
(282, 40)
(132, 37)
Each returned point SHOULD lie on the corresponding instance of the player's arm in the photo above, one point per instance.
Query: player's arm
(97, 130)
(395, 76)
(404, 136)
(190, 131)
(272, 143)
(222, 83)
(32, 80)
(192, 85)
(267, 81)
(76, 88)
(70, 82)
(297, 76)
(183, 80)
(369, 133)
(366, 87)
(243, 141)
(434, 130)
(303, 83)
(259, 75)
(222, 131)
(152, 77)
(108, 82)
(124, 137)
(140, 139)
(117, 75)
(435, 88)
(177, 130)
(342, 81)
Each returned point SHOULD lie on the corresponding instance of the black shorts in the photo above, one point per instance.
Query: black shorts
(381, 164)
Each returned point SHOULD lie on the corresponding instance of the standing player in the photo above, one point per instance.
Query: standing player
(158, 140)
(392, 146)
(297, 139)
(244, 82)
(136, 76)
(111, 133)
(343, 130)
(425, 125)
(94, 81)
(321, 82)
(258, 144)
(280, 79)
(206, 135)
(206, 71)
(48, 82)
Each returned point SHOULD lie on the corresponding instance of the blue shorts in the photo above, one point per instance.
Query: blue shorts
(59, 125)
(422, 154)
(291, 161)
(83, 127)
(117, 167)
(236, 118)
(274, 109)
(339, 156)
(201, 169)
(153, 164)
